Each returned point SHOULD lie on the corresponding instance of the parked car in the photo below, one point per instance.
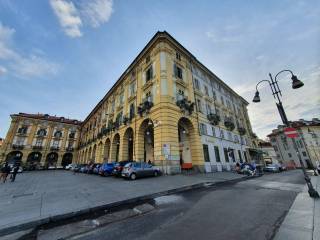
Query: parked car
(271, 168)
(119, 167)
(69, 166)
(96, 168)
(84, 168)
(134, 170)
(78, 167)
(106, 169)
(282, 168)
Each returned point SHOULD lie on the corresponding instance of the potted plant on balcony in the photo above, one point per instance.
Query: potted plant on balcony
(229, 124)
(213, 118)
(242, 131)
(185, 105)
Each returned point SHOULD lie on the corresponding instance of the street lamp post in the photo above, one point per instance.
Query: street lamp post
(276, 92)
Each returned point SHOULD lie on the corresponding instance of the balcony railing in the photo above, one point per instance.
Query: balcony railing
(184, 104)
(229, 124)
(69, 149)
(213, 118)
(54, 148)
(37, 147)
(17, 146)
(145, 106)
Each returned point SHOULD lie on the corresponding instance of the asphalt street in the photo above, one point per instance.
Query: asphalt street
(253, 209)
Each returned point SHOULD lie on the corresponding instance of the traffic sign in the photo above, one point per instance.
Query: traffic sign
(291, 132)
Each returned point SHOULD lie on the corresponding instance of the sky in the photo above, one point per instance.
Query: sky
(61, 56)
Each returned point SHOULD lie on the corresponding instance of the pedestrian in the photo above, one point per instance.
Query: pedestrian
(15, 171)
(5, 171)
(149, 162)
(318, 168)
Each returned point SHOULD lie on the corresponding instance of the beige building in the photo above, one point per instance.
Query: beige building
(41, 139)
(308, 143)
(168, 108)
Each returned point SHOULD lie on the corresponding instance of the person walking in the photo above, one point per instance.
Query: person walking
(5, 171)
(15, 171)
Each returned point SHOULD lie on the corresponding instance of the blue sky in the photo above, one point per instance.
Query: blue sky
(61, 56)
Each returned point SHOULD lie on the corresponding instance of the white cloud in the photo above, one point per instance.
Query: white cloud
(18, 64)
(3, 70)
(72, 17)
(68, 17)
(97, 12)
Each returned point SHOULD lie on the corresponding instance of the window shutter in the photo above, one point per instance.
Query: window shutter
(175, 72)
(143, 78)
(153, 73)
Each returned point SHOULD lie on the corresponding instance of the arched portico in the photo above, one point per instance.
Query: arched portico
(127, 145)
(145, 141)
(115, 148)
(66, 159)
(106, 150)
(52, 159)
(34, 158)
(186, 133)
(14, 157)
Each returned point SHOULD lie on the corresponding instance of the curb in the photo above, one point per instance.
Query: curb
(70, 215)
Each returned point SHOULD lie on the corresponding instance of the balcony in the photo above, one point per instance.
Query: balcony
(145, 106)
(213, 118)
(242, 131)
(37, 147)
(184, 104)
(17, 146)
(229, 124)
(54, 148)
(69, 149)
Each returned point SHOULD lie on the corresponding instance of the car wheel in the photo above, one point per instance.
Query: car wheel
(133, 176)
(155, 173)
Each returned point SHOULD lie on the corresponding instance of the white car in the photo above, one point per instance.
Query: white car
(69, 166)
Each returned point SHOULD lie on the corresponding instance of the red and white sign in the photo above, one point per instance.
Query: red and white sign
(290, 132)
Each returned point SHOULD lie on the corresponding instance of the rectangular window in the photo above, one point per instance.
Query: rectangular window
(121, 99)
(203, 129)
(206, 153)
(304, 154)
(206, 90)
(226, 156)
(196, 84)
(217, 154)
(289, 155)
(132, 89)
(208, 108)
(245, 156)
(214, 94)
(222, 101)
(131, 111)
(240, 155)
(55, 143)
(275, 148)
(199, 105)
(178, 56)
(149, 74)
(213, 131)
(221, 133)
(20, 141)
(229, 136)
(39, 142)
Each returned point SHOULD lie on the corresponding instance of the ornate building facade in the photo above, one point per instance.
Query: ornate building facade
(307, 143)
(41, 139)
(170, 109)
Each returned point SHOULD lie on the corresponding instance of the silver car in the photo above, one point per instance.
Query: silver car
(136, 170)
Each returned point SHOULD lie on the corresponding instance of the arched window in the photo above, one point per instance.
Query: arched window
(23, 130)
(58, 134)
(42, 132)
(72, 135)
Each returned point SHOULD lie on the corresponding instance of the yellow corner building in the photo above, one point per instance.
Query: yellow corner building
(166, 108)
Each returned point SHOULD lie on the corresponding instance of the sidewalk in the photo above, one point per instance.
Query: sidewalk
(38, 197)
(303, 219)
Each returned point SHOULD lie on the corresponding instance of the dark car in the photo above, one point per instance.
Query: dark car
(91, 168)
(119, 167)
(106, 169)
(84, 168)
(77, 167)
(136, 170)
(96, 168)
